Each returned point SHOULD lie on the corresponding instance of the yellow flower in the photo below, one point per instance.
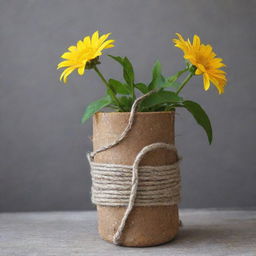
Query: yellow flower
(83, 53)
(204, 59)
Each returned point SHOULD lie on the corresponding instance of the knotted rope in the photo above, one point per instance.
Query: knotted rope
(125, 185)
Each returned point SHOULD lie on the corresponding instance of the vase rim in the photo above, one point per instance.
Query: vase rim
(140, 113)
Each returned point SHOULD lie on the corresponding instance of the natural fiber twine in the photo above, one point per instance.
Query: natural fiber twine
(125, 185)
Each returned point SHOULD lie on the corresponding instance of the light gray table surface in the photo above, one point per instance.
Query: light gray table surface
(204, 232)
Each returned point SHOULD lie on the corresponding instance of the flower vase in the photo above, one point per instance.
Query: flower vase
(146, 225)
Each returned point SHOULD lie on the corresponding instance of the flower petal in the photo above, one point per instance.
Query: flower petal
(206, 81)
(66, 73)
(87, 40)
(105, 44)
(198, 72)
(64, 63)
(103, 38)
(95, 38)
(81, 70)
(196, 42)
(80, 45)
(66, 55)
(72, 48)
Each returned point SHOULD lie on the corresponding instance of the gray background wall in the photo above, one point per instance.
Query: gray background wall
(42, 144)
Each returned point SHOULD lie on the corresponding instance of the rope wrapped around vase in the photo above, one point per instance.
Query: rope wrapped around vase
(125, 185)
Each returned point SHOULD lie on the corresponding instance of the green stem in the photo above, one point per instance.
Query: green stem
(133, 93)
(177, 75)
(107, 85)
(185, 81)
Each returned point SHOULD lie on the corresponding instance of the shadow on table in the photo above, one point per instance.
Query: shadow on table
(200, 235)
(234, 234)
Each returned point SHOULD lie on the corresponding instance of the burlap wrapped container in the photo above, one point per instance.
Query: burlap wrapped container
(146, 225)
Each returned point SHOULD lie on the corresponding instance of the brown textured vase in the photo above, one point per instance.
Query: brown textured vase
(146, 225)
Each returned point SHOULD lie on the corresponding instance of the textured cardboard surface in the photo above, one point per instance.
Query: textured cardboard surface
(146, 226)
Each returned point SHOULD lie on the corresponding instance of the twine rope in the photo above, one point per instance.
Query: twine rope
(125, 185)
(157, 185)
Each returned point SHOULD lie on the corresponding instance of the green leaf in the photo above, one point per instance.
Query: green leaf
(160, 81)
(172, 80)
(142, 87)
(126, 103)
(118, 87)
(95, 106)
(128, 72)
(117, 58)
(174, 85)
(160, 97)
(200, 116)
(157, 78)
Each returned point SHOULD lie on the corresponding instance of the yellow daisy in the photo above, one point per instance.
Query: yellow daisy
(204, 59)
(83, 53)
